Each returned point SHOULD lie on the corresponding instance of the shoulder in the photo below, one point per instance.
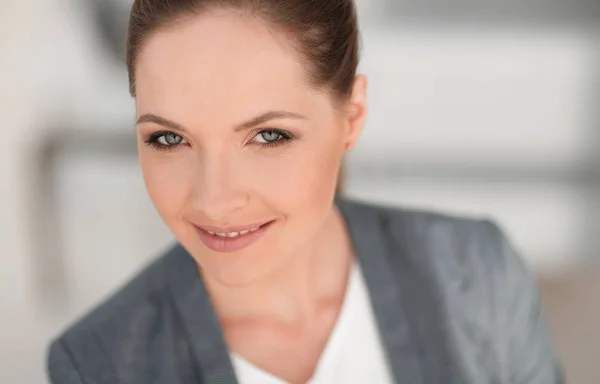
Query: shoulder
(486, 298)
(473, 248)
(443, 239)
(474, 251)
(137, 300)
(120, 326)
(468, 260)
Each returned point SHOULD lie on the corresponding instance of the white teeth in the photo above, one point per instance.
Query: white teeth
(233, 234)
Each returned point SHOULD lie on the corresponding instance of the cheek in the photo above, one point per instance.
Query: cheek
(305, 175)
(168, 181)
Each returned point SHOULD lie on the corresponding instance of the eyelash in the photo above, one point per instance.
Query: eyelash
(284, 138)
(153, 141)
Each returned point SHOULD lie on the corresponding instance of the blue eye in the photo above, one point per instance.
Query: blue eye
(272, 137)
(170, 138)
(165, 140)
(268, 136)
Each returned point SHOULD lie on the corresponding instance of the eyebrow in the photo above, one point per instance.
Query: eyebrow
(150, 118)
(260, 119)
(268, 116)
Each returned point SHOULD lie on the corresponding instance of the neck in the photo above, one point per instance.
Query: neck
(292, 295)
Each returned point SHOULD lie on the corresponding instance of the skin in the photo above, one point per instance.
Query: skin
(279, 298)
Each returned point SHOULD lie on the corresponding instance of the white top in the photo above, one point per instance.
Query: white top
(354, 353)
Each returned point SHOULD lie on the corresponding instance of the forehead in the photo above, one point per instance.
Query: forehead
(217, 60)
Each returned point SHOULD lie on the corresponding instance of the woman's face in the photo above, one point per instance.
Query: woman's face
(232, 138)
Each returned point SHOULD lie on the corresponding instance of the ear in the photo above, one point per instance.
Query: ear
(356, 112)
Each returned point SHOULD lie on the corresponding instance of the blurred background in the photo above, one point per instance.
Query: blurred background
(477, 107)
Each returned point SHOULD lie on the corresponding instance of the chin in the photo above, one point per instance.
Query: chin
(232, 279)
(238, 269)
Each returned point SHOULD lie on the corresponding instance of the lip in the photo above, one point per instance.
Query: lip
(231, 244)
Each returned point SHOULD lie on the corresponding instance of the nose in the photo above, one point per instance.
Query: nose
(219, 192)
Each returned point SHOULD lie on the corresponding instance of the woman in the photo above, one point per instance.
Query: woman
(244, 111)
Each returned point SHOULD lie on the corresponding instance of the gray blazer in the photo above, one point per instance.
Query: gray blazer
(453, 302)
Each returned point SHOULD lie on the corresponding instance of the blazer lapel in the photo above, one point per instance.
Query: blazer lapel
(404, 295)
(201, 323)
(370, 247)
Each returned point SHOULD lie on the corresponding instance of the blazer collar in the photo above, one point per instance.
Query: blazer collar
(200, 321)
(405, 292)
(371, 246)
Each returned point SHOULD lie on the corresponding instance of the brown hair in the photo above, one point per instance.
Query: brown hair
(325, 32)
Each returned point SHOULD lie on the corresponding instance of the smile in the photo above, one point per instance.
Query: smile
(232, 239)
(233, 234)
